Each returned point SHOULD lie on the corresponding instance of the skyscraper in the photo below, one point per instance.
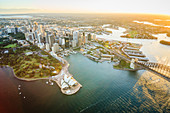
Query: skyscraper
(36, 35)
(80, 40)
(51, 39)
(94, 37)
(73, 43)
(47, 47)
(46, 36)
(67, 42)
(55, 47)
(84, 38)
(39, 38)
(89, 36)
(75, 36)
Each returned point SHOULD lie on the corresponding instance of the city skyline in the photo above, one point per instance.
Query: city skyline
(93, 6)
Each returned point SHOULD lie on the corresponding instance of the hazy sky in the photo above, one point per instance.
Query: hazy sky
(85, 6)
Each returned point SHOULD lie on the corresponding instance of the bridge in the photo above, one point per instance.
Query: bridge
(159, 69)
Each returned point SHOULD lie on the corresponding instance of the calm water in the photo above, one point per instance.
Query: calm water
(104, 90)
(149, 23)
(155, 51)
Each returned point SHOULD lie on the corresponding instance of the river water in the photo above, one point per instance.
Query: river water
(104, 89)
(155, 51)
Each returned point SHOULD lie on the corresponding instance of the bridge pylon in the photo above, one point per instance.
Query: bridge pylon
(132, 64)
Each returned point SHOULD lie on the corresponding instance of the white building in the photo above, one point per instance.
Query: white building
(63, 41)
(29, 36)
(94, 37)
(60, 41)
(47, 47)
(75, 36)
(51, 39)
(74, 43)
(39, 38)
(55, 47)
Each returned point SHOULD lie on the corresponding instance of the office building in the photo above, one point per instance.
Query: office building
(67, 42)
(51, 39)
(47, 47)
(55, 47)
(89, 36)
(74, 43)
(84, 38)
(75, 36)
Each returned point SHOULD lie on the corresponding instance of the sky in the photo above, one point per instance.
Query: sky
(85, 6)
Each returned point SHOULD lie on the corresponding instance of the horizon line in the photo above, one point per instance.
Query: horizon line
(85, 13)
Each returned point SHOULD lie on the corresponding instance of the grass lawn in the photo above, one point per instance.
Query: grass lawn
(11, 45)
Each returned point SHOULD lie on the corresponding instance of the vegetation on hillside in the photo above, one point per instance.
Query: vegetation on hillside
(19, 35)
(165, 42)
(39, 64)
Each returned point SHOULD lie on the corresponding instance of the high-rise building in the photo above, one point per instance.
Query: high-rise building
(63, 41)
(51, 39)
(94, 37)
(74, 43)
(29, 36)
(89, 36)
(60, 41)
(46, 36)
(35, 26)
(71, 37)
(16, 29)
(41, 28)
(3, 31)
(80, 40)
(39, 38)
(47, 47)
(36, 35)
(55, 47)
(75, 36)
(67, 42)
(84, 38)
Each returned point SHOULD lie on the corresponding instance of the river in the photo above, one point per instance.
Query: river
(155, 51)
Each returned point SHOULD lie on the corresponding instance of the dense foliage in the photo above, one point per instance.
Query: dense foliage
(165, 42)
(27, 66)
(19, 35)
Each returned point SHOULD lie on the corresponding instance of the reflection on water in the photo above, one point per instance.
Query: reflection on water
(150, 94)
(104, 90)
(149, 23)
(151, 48)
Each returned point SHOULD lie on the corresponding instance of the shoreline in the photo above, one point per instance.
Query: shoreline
(71, 90)
(126, 69)
(26, 79)
(57, 78)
